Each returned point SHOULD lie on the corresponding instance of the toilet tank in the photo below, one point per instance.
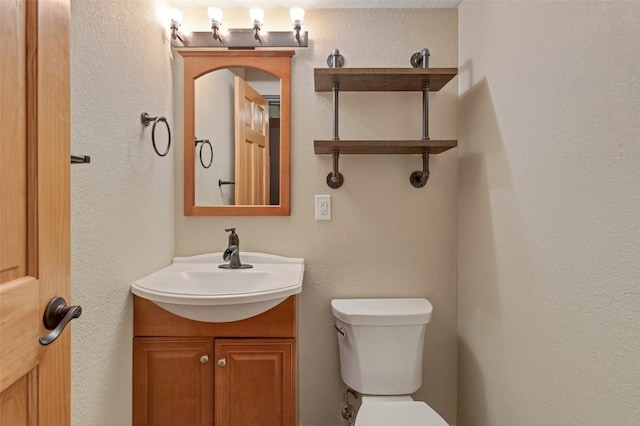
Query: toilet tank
(381, 349)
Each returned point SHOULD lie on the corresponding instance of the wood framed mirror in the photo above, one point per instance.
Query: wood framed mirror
(237, 117)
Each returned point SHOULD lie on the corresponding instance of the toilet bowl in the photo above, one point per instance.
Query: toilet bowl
(381, 343)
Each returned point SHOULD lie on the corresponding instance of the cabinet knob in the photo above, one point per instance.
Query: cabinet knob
(222, 362)
(204, 359)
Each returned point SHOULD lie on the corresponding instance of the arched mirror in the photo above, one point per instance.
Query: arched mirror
(237, 133)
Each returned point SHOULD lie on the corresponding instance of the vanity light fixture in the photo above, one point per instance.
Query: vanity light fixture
(297, 17)
(241, 38)
(175, 16)
(257, 17)
(215, 14)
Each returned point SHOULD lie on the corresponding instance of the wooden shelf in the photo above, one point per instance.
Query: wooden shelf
(382, 147)
(382, 79)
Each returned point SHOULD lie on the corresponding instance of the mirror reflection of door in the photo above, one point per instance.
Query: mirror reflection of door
(251, 145)
(240, 173)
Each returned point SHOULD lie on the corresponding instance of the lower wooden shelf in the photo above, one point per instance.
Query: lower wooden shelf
(382, 146)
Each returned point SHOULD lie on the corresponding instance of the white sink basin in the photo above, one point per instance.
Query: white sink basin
(195, 288)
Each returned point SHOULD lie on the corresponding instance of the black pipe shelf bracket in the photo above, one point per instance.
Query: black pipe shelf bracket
(418, 78)
(419, 178)
(146, 119)
(335, 178)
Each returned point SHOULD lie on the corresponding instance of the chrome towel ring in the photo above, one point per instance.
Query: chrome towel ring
(145, 119)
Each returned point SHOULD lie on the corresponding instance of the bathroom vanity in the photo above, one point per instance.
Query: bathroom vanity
(188, 372)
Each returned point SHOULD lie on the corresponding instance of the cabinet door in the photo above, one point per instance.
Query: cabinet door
(172, 381)
(255, 382)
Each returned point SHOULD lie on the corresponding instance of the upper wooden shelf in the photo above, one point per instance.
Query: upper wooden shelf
(382, 146)
(382, 79)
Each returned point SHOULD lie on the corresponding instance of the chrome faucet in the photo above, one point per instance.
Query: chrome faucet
(232, 253)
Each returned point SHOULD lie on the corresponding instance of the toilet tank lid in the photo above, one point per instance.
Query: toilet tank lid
(382, 311)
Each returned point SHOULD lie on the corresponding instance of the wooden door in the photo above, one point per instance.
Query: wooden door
(34, 209)
(172, 381)
(252, 145)
(254, 382)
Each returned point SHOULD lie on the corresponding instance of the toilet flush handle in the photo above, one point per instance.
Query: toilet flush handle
(341, 330)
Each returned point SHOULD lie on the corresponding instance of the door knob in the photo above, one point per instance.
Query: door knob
(204, 359)
(56, 317)
(222, 362)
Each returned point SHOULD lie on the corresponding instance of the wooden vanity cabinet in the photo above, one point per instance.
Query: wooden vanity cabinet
(224, 374)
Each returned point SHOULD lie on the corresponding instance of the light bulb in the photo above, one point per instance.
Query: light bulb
(297, 15)
(257, 15)
(174, 14)
(215, 14)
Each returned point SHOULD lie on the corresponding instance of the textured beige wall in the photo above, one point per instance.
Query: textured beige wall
(549, 236)
(386, 237)
(122, 215)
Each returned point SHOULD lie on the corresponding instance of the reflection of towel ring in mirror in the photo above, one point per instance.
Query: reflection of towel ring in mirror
(145, 119)
(204, 142)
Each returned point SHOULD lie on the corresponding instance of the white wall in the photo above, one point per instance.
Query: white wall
(122, 202)
(549, 236)
(386, 237)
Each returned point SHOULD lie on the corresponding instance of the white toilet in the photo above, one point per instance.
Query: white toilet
(380, 343)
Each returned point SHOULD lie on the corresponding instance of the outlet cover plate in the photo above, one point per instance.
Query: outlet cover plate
(323, 207)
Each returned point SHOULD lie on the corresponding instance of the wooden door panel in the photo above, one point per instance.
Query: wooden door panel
(34, 209)
(14, 403)
(172, 386)
(19, 325)
(13, 150)
(256, 386)
(19, 293)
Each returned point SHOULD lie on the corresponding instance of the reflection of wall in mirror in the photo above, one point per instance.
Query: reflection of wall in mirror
(214, 121)
(262, 82)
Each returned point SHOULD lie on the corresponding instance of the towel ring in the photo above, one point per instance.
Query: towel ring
(204, 142)
(145, 119)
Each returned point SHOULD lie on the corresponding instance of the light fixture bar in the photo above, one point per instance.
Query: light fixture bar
(244, 39)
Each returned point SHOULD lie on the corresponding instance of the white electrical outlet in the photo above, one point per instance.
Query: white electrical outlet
(323, 207)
